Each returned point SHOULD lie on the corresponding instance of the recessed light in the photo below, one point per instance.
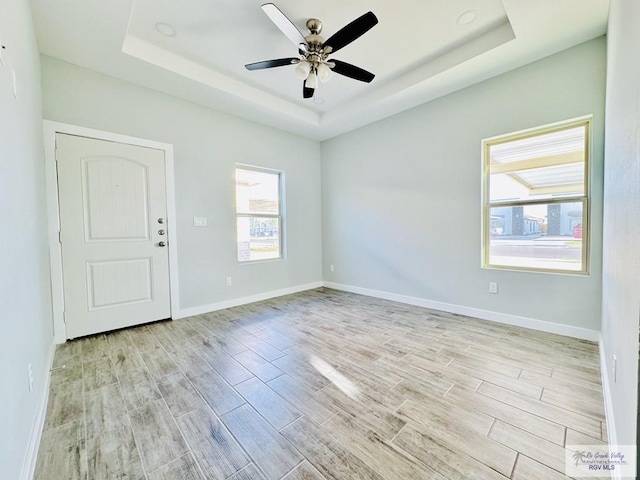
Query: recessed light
(165, 29)
(467, 17)
(318, 100)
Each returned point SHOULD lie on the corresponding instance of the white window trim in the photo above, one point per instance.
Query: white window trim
(585, 198)
(281, 216)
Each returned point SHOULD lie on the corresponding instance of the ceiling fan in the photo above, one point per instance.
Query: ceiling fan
(313, 63)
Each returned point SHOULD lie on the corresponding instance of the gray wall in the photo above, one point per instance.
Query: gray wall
(621, 263)
(402, 202)
(25, 325)
(207, 144)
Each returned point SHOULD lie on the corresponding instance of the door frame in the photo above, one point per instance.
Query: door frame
(51, 129)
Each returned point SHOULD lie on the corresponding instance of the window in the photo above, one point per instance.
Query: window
(535, 200)
(259, 213)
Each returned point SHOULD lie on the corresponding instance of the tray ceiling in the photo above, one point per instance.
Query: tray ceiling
(419, 50)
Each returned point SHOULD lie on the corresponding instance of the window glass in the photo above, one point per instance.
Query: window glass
(257, 192)
(542, 236)
(259, 214)
(535, 200)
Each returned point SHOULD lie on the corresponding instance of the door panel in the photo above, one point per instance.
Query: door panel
(119, 282)
(112, 200)
(115, 197)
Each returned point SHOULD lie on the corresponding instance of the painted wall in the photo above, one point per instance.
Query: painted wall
(26, 334)
(621, 262)
(207, 145)
(402, 197)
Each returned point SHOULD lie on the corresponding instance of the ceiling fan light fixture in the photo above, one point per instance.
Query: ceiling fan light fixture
(303, 69)
(312, 80)
(324, 72)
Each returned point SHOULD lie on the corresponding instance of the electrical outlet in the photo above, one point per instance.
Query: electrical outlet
(331, 268)
(30, 377)
(228, 281)
(614, 369)
(493, 287)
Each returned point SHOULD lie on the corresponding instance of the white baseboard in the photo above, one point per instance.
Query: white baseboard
(612, 436)
(235, 302)
(29, 464)
(566, 330)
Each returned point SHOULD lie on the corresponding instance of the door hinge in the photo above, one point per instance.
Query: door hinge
(59, 237)
(64, 317)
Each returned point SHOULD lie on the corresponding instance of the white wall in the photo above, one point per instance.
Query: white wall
(207, 144)
(25, 321)
(402, 201)
(621, 262)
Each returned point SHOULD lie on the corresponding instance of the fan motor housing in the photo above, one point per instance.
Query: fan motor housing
(314, 40)
(314, 26)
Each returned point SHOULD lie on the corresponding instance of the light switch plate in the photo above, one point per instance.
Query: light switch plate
(199, 221)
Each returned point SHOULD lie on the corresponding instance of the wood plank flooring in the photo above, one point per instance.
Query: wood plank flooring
(321, 385)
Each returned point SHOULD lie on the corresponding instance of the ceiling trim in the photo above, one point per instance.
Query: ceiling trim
(495, 37)
(160, 57)
(483, 41)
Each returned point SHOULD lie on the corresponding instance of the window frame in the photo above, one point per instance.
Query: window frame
(584, 197)
(280, 215)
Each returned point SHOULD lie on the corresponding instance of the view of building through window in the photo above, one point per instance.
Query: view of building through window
(535, 200)
(259, 217)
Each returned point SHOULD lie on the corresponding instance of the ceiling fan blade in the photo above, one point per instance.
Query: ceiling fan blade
(285, 25)
(278, 62)
(306, 91)
(349, 33)
(352, 71)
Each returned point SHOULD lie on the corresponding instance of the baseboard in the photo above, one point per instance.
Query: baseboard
(235, 302)
(541, 325)
(612, 436)
(29, 464)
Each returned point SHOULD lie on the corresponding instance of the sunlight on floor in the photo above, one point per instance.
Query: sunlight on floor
(345, 385)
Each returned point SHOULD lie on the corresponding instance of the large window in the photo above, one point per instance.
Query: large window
(259, 213)
(536, 202)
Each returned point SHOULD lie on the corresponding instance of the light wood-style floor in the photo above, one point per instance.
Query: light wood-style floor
(320, 385)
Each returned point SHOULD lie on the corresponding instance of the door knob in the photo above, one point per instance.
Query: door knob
(162, 244)
(161, 220)
(161, 232)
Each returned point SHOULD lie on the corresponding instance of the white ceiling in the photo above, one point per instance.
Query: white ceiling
(418, 51)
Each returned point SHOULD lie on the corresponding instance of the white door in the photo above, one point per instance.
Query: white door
(113, 213)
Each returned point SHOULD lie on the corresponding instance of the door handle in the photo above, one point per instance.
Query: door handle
(162, 244)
